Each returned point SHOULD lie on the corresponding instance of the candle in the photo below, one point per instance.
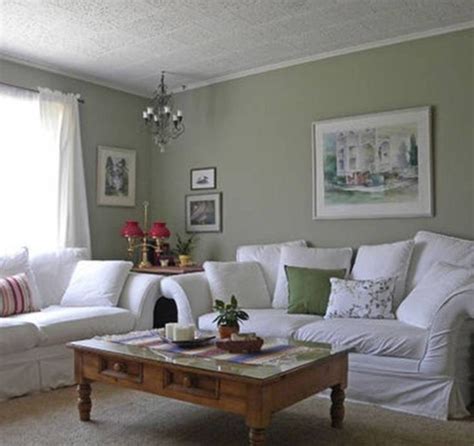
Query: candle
(166, 110)
(145, 114)
(175, 118)
(181, 333)
(155, 118)
(149, 110)
(169, 330)
(179, 113)
(191, 331)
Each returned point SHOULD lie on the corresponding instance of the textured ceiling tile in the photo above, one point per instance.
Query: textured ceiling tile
(128, 42)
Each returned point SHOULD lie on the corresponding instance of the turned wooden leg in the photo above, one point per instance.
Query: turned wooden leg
(256, 437)
(84, 403)
(337, 406)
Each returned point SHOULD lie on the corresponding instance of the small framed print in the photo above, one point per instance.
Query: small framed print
(116, 175)
(204, 212)
(203, 178)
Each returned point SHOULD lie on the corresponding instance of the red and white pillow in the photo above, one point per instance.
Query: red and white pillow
(15, 295)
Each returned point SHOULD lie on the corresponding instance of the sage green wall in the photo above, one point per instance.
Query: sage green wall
(257, 132)
(108, 117)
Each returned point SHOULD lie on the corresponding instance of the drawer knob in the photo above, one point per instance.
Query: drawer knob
(187, 381)
(119, 367)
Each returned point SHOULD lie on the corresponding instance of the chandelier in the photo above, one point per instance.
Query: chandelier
(160, 118)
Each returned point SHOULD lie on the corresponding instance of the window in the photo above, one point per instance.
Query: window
(29, 174)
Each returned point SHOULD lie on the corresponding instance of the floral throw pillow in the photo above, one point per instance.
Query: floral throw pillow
(369, 299)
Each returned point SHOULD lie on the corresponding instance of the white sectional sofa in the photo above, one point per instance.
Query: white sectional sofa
(394, 364)
(33, 355)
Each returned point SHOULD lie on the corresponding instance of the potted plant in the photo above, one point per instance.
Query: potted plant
(184, 248)
(229, 316)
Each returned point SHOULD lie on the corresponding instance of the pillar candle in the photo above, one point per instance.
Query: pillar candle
(169, 330)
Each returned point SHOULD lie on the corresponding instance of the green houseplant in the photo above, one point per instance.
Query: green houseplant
(229, 317)
(184, 248)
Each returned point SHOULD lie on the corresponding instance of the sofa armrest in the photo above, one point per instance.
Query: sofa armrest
(440, 353)
(191, 293)
(139, 296)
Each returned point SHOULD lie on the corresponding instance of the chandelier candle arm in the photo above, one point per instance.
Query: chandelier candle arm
(160, 118)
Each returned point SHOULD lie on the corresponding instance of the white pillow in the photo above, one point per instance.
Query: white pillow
(269, 258)
(387, 260)
(421, 305)
(368, 299)
(244, 280)
(17, 263)
(96, 283)
(320, 258)
(430, 248)
(53, 271)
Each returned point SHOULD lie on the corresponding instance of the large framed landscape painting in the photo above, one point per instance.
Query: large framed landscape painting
(116, 172)
(373, 166)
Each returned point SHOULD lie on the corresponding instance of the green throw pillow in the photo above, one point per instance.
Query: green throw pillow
(309, 289)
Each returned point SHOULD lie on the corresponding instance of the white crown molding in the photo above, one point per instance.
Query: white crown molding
(73, 75)
(252, 71)
(354, 49)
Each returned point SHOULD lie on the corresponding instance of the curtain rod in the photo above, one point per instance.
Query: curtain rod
(81, 101)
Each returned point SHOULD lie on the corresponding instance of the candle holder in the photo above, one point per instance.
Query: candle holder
(139, 239)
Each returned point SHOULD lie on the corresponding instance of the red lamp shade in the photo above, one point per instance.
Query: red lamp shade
(131, 229)
(159, 230)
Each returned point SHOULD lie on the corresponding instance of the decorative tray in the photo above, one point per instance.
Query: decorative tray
(198, 341)
(241, 346)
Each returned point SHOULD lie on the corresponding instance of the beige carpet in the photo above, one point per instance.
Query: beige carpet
(124, 417)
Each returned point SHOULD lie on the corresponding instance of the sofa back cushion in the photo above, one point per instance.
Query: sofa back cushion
(269, 258)
(436, 287)
(382, 261)
(18, 263)
(244, 280)
(96, 283)
(430, 248)
(320, 258)
(53, 271)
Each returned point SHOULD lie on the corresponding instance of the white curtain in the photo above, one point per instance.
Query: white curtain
(59, 117)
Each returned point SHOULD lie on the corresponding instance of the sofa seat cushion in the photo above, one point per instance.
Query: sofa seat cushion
(58, 325)
(264, 322)
(379, 337)
(17, 336)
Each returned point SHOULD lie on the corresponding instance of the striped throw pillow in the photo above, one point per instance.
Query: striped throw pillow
(15, 295)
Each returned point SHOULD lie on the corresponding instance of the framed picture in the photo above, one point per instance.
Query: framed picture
(373, 166)
(204, 212)
(203, 178)
(116, 175)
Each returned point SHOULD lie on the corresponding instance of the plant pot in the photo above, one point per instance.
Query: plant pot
(225, 331)
(184, 260)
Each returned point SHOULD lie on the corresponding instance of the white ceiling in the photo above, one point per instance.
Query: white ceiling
(126, 43)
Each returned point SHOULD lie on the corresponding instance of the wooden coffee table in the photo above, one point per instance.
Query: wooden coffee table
(253, 391)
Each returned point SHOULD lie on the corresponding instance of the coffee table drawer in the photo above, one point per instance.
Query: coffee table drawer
(121, 369)
(188, 383)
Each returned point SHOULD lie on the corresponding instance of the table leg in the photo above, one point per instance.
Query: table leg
(84, 403)
(256, 436)
(337, 406)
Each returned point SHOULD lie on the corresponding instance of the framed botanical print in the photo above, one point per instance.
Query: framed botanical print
(203, 178)
(204, 212)
(373, 166)
(116, 176)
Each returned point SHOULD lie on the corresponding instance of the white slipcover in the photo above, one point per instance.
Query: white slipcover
(244, 280)
(53, 270)
(58, 325)
(369, 336)
(269, 258)
(431, 248)
(17, 336)
(268, 322)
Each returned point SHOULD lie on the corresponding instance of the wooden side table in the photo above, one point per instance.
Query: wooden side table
(165, 309)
